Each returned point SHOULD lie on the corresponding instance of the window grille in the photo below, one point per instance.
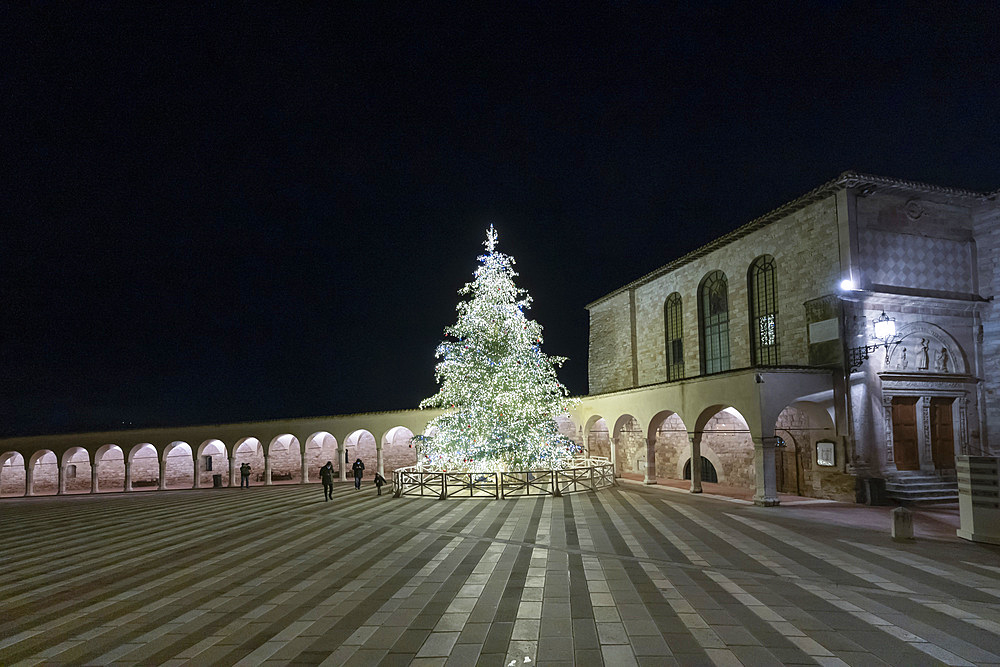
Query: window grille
(763, 295)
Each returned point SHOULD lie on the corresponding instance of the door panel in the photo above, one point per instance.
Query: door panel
(942, 434)
(904, 432)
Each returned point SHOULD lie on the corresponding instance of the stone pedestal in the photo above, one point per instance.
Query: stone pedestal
(979, 498)
(902, 524)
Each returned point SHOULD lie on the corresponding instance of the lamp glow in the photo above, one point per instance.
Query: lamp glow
(885, 327)
(847, 284)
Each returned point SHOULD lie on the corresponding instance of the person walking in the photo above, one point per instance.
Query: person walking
(359, 470)
(245, 475)
(326, 475)
(379, 481)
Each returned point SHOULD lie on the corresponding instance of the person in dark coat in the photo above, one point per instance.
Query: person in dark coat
(326, 475)
(245, 475)
(359, 470)
(379, 481)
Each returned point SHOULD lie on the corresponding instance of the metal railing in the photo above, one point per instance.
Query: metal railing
(588, 474)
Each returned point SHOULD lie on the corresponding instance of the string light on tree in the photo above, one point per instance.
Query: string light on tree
(498, 390)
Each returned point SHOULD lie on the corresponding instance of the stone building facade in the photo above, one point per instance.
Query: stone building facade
(748, 354)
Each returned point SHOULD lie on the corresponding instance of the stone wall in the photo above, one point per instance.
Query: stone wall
(672, 448)
(805, 245)
(728, 438)
(987, 232)
(610, 359)
(630, 448)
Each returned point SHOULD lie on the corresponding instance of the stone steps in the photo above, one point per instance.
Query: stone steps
(922, 488)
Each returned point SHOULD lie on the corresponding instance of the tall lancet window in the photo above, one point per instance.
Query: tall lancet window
(673, 326)
(763, 295)
(713, 320)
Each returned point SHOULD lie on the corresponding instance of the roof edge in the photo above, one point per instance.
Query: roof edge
(847, 179)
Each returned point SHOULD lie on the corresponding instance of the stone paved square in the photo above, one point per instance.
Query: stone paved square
(633, 575)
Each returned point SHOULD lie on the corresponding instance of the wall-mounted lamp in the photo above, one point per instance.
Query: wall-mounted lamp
(885, 331)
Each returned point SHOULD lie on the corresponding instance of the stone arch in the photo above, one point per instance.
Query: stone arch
(597, 437)
(361, 444)
(13, 474)
(213, 459)
(798, 427)
(629, 442)
(109, 460)
(43, 473)
(143, 468)
(77, 468)
(670, 437)
(178, 466)
(908, 336)
(249, 450)
(320, 448)
(284, 456)
(397, 449)
(725, 435)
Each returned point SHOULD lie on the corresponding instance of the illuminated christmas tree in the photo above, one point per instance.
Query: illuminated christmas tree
(499, 391)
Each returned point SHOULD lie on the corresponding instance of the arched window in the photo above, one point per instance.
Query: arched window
(763, 294)
(708, 473)
(672, 325)
(713, 318)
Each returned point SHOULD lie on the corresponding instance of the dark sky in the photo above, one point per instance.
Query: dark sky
(215, 216)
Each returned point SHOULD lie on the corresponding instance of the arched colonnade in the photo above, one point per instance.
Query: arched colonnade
(287, 451)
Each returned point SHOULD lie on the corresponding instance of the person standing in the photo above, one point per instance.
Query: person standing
(379, 481)
(245, 475)
(359, 470)
(326, 475)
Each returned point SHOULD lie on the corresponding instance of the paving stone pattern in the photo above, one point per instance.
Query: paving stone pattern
(628, 576)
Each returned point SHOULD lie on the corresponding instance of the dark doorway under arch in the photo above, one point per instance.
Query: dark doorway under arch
(708, 473)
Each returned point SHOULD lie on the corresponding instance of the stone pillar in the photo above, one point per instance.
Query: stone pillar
(197, 471)
(267, 470)
(695, 439)
(61, 488)
(890, 449)
(128, 474)
(924, 436)
(29, 480)
(232, 471)
(963, 425)
(650, 461)
(614, 456)
(766, 494)
(343, 466)
(93, 477)
(304, 475)
(163, 473)
(379, 461)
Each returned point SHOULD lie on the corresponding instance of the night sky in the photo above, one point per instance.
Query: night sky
(215, 216)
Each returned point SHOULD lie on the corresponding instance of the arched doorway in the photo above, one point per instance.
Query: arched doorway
(708, 473)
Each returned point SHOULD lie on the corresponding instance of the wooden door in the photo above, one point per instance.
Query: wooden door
(942, 434)
(904, 432)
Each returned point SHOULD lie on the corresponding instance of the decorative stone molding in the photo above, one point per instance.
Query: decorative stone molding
(890, 452)
(913, 336)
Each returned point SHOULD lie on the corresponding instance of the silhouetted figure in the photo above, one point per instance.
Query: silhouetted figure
(379, 481)
(359, 470)
(245, 475)
(326, 475)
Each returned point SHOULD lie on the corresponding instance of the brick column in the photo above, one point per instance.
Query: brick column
(128, 474)
(61, 488)
(232, 471)
(343, 466)
(163, 473)
(267, 470)
(29, 480)
(197, 471)
(304, 475)
(379, 460)
(93, 477)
